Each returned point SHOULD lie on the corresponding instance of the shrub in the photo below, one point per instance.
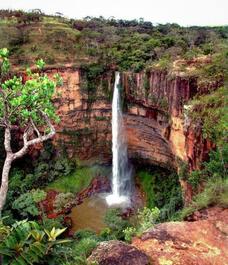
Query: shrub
(162, 190)
(116, 223)
(48, 223)
(106, 234)
(85, 246)
(146, 218)
(215, 193)
(62, 200)
(163, 63)
(84, 233)
(129, 232)
(211, 112)
(27, 243)
(26, 204)
(214, 168)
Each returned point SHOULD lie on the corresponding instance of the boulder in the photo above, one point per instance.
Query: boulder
(117, 253)
(200, 242)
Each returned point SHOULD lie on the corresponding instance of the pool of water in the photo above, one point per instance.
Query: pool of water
(90, 214)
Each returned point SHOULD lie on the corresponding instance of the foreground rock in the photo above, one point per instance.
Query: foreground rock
(117, 253)
(201, 242)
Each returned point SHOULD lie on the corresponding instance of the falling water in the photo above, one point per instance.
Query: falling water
(121, 172)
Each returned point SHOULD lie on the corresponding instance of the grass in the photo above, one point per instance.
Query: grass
(79, 179)
(215, 193)
(51, 39)
(162, 190)
(147, 182)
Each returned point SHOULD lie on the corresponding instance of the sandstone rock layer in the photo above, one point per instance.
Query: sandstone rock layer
(201, 242)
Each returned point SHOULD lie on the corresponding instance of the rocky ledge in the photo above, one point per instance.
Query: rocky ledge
(201, 241)
(117, 253)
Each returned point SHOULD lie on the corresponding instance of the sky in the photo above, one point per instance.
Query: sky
(183, 12)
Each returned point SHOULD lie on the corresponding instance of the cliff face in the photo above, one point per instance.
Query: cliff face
(163, 96)
(157, 128)
(85, 128)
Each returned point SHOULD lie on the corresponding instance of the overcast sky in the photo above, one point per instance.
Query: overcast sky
(183, 12)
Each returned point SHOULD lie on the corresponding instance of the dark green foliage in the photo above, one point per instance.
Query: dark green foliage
(214, 193)
(2, 149)
(183, 169)
(162, 190)
(211, 112)
(116, 223)
(84, 233)
(214, 168)
(92, 74)
(48, 223)
(75, 252)
(27, 203)
(27, 243)
(32, 174)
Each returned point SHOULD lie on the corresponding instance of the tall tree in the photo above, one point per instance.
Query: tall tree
(27, 106)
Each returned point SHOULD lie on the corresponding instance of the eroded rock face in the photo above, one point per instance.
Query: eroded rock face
(157, 88)
(146, 141)
(201, 242)
(156, 94)
(117, 253)
(156, 125)
(85, 127)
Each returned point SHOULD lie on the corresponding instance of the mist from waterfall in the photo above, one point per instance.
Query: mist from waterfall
(121, 171)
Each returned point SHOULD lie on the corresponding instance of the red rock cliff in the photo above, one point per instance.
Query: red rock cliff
(157, 128)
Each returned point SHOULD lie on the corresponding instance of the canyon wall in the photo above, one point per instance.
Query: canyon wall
(158, 131)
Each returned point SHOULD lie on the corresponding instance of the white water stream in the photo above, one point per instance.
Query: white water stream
(121, 172)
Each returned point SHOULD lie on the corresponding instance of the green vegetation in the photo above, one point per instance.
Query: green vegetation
(214, 168)
(98, 46)
(162, 190)
(214, 193)
(28, 243)
(130, 45)
(211, 111)
(27, 181)
(25, 105)
(62, 201)
(145, 219)
(77, 180)
(210, 182)
(26, 203)
(115, 223)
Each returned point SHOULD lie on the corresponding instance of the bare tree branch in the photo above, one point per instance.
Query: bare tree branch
(2, 122)
(7, 140)
(39, 139)
(34, 127)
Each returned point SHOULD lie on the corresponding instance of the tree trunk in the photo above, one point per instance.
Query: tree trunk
(10, 156)
(4, 184)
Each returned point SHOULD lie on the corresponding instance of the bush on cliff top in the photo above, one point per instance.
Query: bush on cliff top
(214, 193)
(131, 45)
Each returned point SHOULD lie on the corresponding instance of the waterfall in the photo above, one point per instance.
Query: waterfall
(121, 172)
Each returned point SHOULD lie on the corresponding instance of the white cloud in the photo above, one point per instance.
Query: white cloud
(183, 12)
